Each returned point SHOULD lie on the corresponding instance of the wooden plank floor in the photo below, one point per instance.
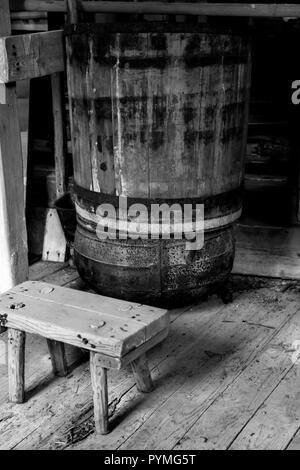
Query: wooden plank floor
(227, 377)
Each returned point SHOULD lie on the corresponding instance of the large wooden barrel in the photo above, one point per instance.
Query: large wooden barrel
(158, 115)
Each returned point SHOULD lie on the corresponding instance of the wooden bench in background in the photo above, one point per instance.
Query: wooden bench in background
(116, 333)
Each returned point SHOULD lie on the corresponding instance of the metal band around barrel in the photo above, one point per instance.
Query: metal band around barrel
(214, 206)
(222, 203)
(219, 211)
(155, 228)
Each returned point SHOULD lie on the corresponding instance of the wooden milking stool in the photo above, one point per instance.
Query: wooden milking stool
(116, 333)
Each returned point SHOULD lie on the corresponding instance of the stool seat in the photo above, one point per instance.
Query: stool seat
(116, 332)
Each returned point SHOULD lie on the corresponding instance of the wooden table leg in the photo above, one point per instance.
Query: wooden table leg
(16, 364)
(58, 358)
(100, 393)
(141, 374)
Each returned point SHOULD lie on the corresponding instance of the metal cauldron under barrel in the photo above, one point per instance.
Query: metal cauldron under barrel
(158, 115)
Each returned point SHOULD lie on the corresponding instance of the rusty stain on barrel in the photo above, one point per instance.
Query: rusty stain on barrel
(158, 115)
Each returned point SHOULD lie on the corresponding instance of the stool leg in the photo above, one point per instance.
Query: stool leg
(16, 364)
(58, 358)
(141, 374)
(100, 393)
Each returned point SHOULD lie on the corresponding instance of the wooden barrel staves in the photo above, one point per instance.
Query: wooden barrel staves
(158, 116)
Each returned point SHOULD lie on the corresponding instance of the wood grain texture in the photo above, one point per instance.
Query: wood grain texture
(152, 318)
(13, 236)
(60, 138)
(118, 384)
(277, 419)
(58, 358)
(100, 393)
(82, 173)
(207, 370)
(73, 10)
(16, 365)
(29, 21)
(180, 360)
(5, 24)
(54, 240)
(267, 251)
(142, 374)
(148, 95)
(44, 269)
(53, 312)
(208, 9)
(294, 443)
(253, 307)
(27, 56)
(238, 405)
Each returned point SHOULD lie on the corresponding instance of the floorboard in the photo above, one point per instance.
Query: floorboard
(220, 355)
(277, 418)
(231, 412)
(294, 443)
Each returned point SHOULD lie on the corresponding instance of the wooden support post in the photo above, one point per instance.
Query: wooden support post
(59, 119)
(27, 56)
(13, 236)
(73, 11)
(16, 365)
(257, 10)
(60, 139)
(23, 93)
(100, 393)
(142, 374)
(58, 357)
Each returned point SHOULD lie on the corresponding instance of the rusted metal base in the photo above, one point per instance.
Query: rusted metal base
(225, 293)
(157, 272)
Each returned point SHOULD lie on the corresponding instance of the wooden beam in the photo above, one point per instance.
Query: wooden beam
(34, 55)
(31, 55)
(60, 138)
(58, 6)
(13, 237)
(5, 26)
(59, 121)
(208, 9)
(73, 7)
(29, 21)
(28, 15)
